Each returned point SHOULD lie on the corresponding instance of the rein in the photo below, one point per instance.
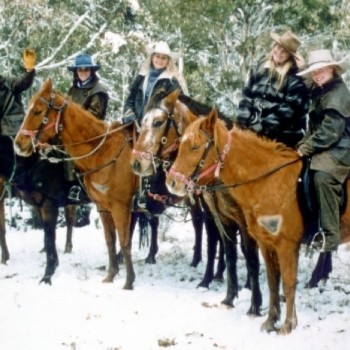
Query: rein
(197, 174)
(191, 182)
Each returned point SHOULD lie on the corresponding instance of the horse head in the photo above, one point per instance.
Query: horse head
(161, 129)
(42, 121)
(201, 153)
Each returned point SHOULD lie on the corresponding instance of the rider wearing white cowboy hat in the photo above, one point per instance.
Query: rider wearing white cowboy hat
(158, 72)
(327, 141)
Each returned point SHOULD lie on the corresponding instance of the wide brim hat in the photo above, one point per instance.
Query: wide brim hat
(289, 41)
(323, 58)
(84, 61)
(163, 48)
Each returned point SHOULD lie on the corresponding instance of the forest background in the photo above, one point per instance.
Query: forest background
(219, 40)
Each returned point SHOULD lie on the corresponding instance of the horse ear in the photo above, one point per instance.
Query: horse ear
(210, 120)
(48, 85)
(171, 99)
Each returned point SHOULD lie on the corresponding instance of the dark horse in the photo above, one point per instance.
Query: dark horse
(41, 184)
(157, 199)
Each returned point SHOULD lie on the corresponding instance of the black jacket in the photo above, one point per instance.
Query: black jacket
(277, 113)
(136, 99)
(15, 87)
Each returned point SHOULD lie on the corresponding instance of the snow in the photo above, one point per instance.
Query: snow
(165, 309)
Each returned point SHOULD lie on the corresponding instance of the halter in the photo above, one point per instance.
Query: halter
(191, 181)
(161, 151)
(35, 134)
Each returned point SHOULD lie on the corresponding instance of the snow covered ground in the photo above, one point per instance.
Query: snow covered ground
(165, 309)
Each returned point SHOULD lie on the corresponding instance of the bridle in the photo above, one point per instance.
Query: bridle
(35, 134)
(198, 173)
(163, 152)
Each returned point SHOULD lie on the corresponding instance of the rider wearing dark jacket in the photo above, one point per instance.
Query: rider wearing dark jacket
(327, 141)
(157, 73)
(275, 100)
(11, 88)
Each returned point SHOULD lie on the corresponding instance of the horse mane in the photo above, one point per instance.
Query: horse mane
(195, 107)
(157, 98)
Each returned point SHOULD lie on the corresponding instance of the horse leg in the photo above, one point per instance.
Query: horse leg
(153, 250)
(197, 221)
(49, 214)
(122, 219)
(229, 238)
(111, 240)
(273, 280)
(219, 276)
(5, 255)
(322, 269)
(251, 253)
(69, 214)
(212, 240)
(135, 215)
(288, 254)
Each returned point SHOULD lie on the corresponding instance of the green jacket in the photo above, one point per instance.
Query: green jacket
(93, 97)
(327, 141)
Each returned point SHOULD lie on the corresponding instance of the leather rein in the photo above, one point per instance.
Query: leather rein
(44, 148)
(191, 181)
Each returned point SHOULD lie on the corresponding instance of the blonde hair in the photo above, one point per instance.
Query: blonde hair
(170, 68)
(282, 71)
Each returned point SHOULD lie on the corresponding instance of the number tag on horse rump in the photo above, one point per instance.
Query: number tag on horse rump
(10, 124)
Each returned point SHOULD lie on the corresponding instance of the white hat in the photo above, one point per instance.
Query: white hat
(322, 58)
(163, 48)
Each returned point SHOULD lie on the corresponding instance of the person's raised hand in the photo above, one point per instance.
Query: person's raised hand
(29, 59)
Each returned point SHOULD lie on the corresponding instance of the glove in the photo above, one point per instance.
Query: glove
(129, 117)
(29, 58)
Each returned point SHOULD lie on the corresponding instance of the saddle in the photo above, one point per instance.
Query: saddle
(308, 203)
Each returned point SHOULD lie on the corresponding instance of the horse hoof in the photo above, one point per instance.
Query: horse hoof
(128, 287)
(46, 280)
(108, 279)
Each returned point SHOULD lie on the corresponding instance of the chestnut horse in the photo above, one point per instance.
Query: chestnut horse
(261, 177)
(163, 124)
(100, 152)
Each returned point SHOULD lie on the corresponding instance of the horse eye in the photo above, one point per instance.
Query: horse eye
(195, 147)
(157, 123)
(36, 113)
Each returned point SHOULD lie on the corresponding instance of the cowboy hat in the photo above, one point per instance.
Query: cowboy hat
(163, 48)
(289, 41)
(322, 58)
(84, 61)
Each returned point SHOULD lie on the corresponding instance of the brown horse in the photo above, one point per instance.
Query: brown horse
(261, 176)
(167, 116)
(102, 155)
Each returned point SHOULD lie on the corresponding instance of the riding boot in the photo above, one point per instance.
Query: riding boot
(328, 192)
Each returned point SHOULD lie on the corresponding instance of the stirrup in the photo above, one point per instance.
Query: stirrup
(74, 193)
(317, 243)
